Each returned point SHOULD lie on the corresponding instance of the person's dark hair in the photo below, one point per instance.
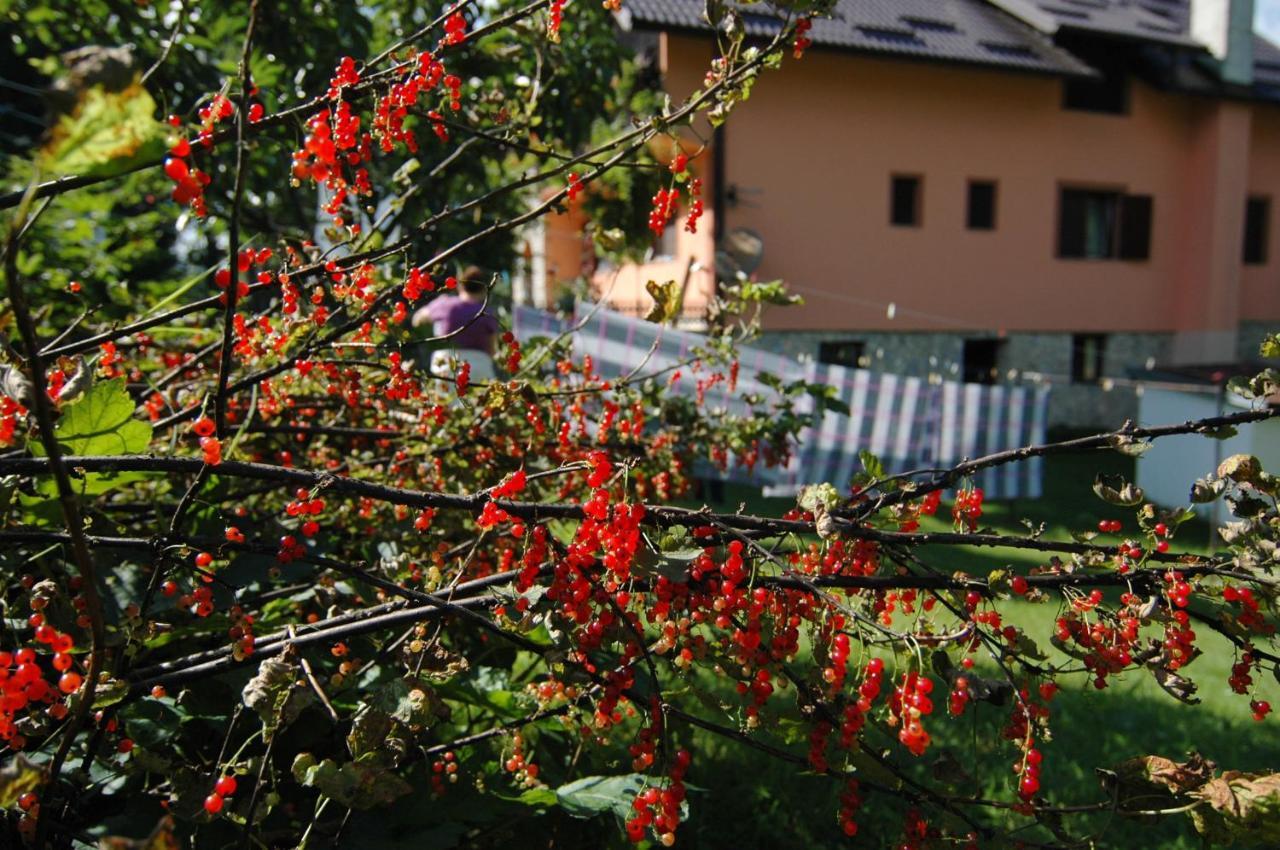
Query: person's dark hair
(473, 280)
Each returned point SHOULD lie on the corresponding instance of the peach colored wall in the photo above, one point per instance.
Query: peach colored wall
(1260, 285)
(813, 150)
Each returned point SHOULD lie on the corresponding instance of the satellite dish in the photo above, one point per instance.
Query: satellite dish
(739, 253)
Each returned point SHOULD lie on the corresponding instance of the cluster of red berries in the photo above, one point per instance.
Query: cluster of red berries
(455, 29)
(664, 207)
(521, 767)
(304, 505)
(189, 182)
(291, 549)
(910, 701)
(514, 355)
(10, 413)
(959, 697)
(601, 468)
(223, 788)
(833, 674)
(574, 187)
(1249, 615)
(968, 508)
(1177, 588)
(444, 770)
(555, 14)
(108, 360)
(210, 445)
(511, 486)
(1110, 526)
(491, 515)
(1260, 709)
(419, 282)
(463, 379)
(667, 802)
(22, 681)
(695, 205)
(422, 522)
(1028, 770)
(802, 42)
(850, 802)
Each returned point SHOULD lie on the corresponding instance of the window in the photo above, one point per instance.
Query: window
(980, 360)
(904, 201)
(845, 352)
(981, 214)
(1100, 225)
(1106, 93)
(1257, 221)
(1086, 357)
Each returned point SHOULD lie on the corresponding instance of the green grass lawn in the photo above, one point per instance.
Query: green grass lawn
(761, 802)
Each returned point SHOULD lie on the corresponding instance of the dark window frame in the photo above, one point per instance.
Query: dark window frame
(980, 213)
(988, 370)
(1104, 223)
(903, 212)
(1088, 356)
(1257, 230)
(842, 352)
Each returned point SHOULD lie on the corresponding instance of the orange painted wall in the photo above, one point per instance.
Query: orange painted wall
(1260, 285)
(811, 154)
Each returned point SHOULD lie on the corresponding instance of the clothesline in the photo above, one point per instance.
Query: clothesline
(907, 422)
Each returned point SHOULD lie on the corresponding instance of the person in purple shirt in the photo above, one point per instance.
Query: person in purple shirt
(474, 330)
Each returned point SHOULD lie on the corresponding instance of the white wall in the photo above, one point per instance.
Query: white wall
(1167, 471)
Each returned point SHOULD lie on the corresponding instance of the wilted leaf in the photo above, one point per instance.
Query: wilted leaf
(17, 778)
(437, 662)
(1180, 688)
(1174, 777)
(1245, 809)
(275, 695)
(1240, 468)
(666, 301)
(1207, 489)
(1127, 445)
(408, 700)
(161, 838)
(107, 133)
(815, 495)
(1114, 490)
(369, 730)
(357, 785)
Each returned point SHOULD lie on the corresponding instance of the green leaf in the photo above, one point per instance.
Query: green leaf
(107, 133)
(101, 422)
(871, 464)
(593, 795)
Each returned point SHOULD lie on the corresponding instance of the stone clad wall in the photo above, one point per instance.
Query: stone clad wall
(1045, 355)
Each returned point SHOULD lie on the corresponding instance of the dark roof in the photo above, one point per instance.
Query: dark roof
(970, 31)
(1165, 21)
(1266, 68)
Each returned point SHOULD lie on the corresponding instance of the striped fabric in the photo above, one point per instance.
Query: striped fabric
(908, 422)
(528, 322)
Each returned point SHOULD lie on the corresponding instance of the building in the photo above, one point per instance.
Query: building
(1073, 191)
